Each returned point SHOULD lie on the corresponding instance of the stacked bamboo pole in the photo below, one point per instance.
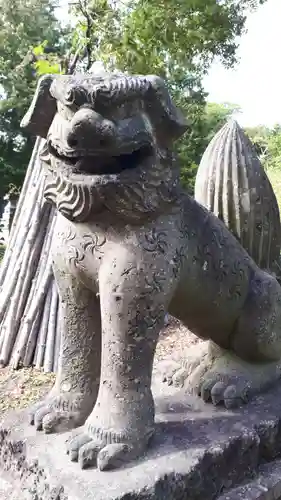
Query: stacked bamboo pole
(29, 303)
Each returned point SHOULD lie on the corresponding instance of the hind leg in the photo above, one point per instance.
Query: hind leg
(257, 336)
(252, 364)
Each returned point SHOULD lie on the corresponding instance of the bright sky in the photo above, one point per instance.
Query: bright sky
(255, 83)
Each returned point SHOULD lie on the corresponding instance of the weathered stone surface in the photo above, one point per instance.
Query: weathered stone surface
(198, 453)
(6, 489)
(265, 486)
(128, 246)
(232, 183)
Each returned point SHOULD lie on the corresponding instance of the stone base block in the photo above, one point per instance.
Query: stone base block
(198, 453)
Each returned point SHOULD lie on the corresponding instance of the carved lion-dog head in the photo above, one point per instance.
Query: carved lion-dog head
(108, 143)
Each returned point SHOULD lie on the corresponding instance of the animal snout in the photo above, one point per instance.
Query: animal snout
(89, 131)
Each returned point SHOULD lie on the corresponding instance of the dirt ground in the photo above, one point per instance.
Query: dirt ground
(18, 389)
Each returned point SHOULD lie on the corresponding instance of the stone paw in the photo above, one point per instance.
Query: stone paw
(231, 381)
(226, 390)
(61, 412)
(177, 374)
(220, 377)
(91, 452)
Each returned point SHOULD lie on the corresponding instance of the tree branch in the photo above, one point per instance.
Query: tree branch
(83, 9)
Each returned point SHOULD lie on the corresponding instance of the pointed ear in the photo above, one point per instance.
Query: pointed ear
(42, 109)
(168, 120)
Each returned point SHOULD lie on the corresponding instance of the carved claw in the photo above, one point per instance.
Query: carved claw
(231, 393)
(60, 413)
(90, 453)
(61, 421)
(114, 456)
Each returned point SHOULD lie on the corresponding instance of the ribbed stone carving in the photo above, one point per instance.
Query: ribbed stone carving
(233, 185)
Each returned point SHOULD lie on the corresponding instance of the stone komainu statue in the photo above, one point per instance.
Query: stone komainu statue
(130, 244)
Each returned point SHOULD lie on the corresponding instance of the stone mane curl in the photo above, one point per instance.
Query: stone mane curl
(132, 195)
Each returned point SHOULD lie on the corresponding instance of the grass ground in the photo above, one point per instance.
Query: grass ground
(18, 389)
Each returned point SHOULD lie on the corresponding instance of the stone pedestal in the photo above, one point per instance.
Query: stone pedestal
(199, 453)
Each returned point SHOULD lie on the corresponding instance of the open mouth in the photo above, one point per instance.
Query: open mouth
(97, 165)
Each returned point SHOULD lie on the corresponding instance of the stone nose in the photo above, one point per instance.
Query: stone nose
(89, 130)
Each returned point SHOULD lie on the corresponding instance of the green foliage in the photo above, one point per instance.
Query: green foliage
(273, 152)
(216, 115)
(175, 39)
(45, 63)
(162, 36)
(23, 25)
(193, 144)
(268, 145)
(259, 138)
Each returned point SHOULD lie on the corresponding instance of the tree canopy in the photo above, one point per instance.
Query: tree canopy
(170, 38)
(24, 25)
(177, 39)
(267, 142)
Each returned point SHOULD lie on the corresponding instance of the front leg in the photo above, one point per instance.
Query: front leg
(134, 296)
(75, 391)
